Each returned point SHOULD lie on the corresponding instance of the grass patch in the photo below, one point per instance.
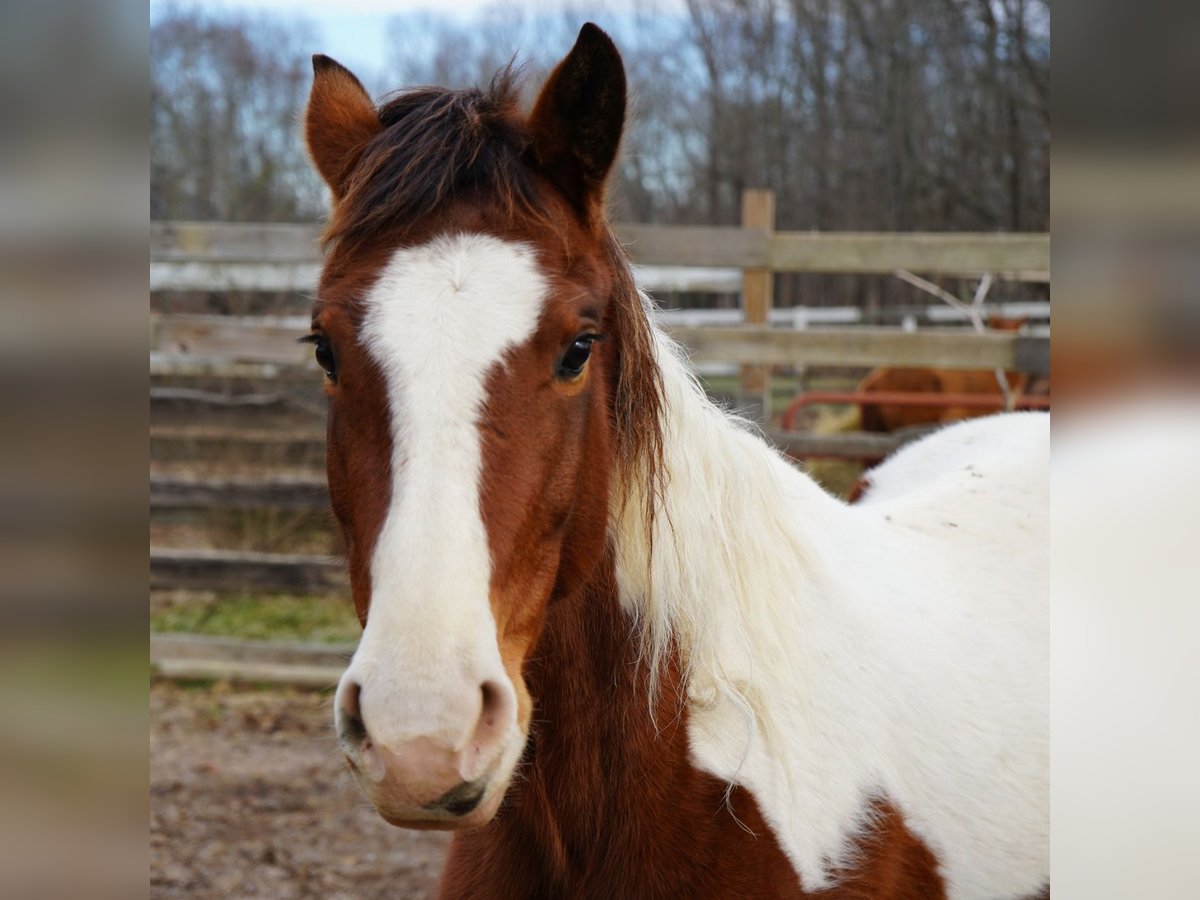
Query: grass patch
(837, 476)
(322, 619)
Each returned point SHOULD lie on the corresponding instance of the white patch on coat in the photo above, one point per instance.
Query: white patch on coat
(965, 446)
(835, 654)
(438, 320)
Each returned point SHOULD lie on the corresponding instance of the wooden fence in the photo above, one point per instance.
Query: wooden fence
(198, 657)
(230, 256)
(220, 383)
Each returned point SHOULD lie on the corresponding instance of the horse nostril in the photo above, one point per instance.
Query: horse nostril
(494, 714)
(460, 800)
(491, 698)
(351, 728)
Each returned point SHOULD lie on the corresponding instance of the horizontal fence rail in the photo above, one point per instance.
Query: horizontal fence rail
(230, 570)
(865, 347)
(185, 656)
(296, 492)
(205, 443)
(254, 256)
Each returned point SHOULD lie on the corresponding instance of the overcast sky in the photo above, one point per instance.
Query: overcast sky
(354, 32)
(351, 31)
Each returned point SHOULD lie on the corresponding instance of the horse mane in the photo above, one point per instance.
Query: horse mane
(638, 397)
(439, 146)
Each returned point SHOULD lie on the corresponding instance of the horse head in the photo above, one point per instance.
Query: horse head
(488, 364)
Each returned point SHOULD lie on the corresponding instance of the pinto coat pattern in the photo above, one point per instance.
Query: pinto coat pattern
(611, 637)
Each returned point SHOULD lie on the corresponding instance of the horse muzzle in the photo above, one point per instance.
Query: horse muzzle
(432, 781)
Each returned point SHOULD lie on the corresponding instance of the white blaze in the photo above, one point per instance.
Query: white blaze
(437, 321)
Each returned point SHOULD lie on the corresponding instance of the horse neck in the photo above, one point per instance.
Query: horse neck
(608, 800)
(760, 582)
(596, 733)
(612, 791)
(609, 784)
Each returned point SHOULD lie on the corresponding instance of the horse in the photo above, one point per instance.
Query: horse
(886, 417)
(611, 638)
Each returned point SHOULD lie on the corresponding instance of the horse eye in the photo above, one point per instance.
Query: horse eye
(324, 354)
(576, 356)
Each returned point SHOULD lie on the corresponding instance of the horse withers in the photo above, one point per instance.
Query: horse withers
(610, 637)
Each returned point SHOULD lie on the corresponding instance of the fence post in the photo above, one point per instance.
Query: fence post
(758, 213)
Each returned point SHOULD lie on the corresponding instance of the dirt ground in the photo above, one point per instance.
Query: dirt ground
(249, 798)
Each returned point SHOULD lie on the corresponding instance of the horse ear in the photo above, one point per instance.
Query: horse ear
(577, 120)
(339, 121)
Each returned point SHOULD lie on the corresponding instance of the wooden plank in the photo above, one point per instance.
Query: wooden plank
(181, 407)
(166, 365)
(231, 242)
(241, 400)
(191, 656)
(885, 252)
(239, 247)
(200, 646)
(252, 338)
(850, 347)
(247, 672)
(228, 570)
(918, 398)
(297, 492)
(200, 435)
(237, 446)
(235, 241)
(693, 245)
(195, 365)
(235, 275)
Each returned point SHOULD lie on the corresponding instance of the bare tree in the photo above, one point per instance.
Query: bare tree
(225, 93)
(859, 114)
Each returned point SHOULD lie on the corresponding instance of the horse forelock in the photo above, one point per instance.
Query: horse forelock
(438, 146)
